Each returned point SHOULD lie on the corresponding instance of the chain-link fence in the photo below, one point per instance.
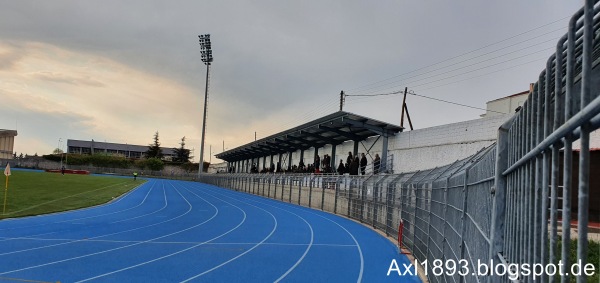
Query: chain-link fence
(501, 204)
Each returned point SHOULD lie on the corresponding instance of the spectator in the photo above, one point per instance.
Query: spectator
(363, 164)
(349, 161)
(327, 163)
(376, 164)
(341, 168)
(354, 166)
(317, 163)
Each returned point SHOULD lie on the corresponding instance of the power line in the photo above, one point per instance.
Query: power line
(482, 75)
(411, 92)
(407, 80)
(463, 54)
(455, 103)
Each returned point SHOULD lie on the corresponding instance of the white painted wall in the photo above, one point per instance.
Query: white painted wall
(505, 105)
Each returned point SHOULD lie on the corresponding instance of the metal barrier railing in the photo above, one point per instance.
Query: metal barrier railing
(563, 106)
(419, 198)
(501, 204)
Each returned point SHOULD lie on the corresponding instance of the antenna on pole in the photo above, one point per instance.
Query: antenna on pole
(342, 97)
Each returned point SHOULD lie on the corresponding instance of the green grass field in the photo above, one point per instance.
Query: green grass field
(34, 193)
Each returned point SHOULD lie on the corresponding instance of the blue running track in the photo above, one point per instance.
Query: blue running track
(175, 231)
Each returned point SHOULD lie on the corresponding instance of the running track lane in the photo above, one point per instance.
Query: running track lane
(175, 231)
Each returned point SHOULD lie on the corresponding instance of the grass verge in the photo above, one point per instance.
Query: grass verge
(34, 193)
(593, 258)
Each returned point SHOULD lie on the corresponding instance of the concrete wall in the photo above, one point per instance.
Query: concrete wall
(437, 146)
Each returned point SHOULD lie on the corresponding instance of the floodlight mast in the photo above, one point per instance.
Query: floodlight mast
(207, 58)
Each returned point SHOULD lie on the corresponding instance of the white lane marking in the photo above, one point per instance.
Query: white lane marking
(242, 254)
(114, 249)
(81, 240)
(309, 245)
(164, 206)
(178, 252)
(308, 210)
(114, 212)
(180, 242)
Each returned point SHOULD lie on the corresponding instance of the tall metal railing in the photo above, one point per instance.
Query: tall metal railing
(563, 107)
(499, 205)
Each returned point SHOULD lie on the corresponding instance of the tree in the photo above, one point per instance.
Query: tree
(155, 164)
(182, 154)
(57, 151)
(154, 150)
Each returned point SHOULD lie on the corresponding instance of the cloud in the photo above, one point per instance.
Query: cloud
(64, 78)
(70, 94)
(9, 57)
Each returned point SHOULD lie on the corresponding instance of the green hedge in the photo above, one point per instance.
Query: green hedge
(111, 161)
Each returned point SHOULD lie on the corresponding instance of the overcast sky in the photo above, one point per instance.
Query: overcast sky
(118, 71)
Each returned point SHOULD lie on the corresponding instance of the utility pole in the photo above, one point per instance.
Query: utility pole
(342, 100)
(405, 108)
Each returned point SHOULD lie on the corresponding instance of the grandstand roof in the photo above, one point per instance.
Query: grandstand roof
(334, 129)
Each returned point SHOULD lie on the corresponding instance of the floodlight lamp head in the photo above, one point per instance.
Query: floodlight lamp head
(205, 48)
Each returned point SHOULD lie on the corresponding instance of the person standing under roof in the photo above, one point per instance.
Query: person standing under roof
(363, 164)
(354, 166)
(341, 168)
(349, 161)
(376, 164)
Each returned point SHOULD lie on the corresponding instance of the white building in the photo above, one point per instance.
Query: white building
(506, 105)
(7, 142)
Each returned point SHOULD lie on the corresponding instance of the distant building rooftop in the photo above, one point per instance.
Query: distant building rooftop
(127, 150)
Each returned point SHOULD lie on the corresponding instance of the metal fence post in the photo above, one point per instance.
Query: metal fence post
(499, 195)
(463, 217)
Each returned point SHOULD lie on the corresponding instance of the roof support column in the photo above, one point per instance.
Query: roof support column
(301, 157)
(333, 146)
(279, 163)
(316, 154)
(289, 161)
(355, 150)
(384, 155)
(264, 162)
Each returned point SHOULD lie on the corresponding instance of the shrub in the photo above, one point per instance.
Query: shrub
(155, 164)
